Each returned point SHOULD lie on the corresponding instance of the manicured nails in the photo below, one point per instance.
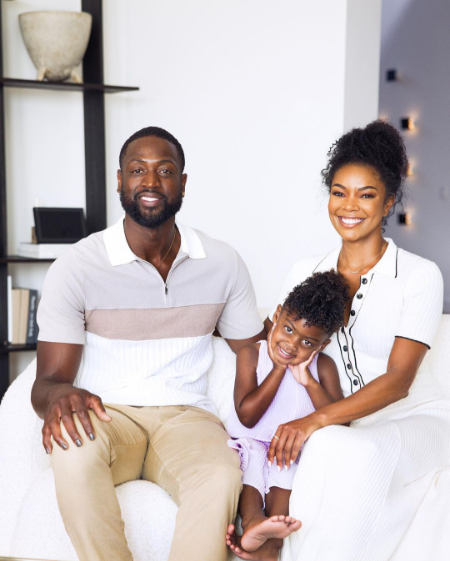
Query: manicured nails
(286, 467)
(270, 463)
(92, 436)
(47, 450)
(64, 446)
(78, 442)
(292, 461)
(279, 468)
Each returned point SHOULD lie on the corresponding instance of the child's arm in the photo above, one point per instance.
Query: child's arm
(250, 400)
(329, 389)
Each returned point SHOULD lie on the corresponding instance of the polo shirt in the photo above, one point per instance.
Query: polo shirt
(401, 296)
(146, 341)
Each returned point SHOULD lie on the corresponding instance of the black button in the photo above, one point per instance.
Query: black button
(355, 382)
(342, 329)
(345, 348)
(364, 281)
(349, 366)
(352, 313)
(359, 296)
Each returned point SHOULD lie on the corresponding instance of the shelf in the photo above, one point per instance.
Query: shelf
(20, 259)
(9, 348)
(68, 86)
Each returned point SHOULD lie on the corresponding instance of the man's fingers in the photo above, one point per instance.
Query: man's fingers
(69, 425)
(54, 424)
(46, 438)
(95, 403)
(79, 407)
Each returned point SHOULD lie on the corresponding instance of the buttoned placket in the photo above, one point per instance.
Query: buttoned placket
(345, 338)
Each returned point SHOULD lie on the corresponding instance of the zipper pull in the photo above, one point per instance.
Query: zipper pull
(166, 289)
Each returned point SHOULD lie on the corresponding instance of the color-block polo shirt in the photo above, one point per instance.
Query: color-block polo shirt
(146, 341)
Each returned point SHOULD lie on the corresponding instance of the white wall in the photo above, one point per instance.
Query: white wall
(415, 41)
(255, 92)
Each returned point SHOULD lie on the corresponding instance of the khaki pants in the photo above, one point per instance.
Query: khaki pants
(182, 449)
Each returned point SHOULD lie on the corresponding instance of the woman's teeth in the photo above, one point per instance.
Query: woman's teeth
(350, 221)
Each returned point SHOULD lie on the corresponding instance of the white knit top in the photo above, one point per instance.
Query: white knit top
(402, 296)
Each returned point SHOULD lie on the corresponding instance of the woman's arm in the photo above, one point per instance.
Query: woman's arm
(250, 400)
(404, 361)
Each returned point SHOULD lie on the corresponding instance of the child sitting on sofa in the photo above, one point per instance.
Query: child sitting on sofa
(278, 381)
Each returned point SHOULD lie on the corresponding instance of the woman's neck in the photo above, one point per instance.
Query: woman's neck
(356, 254)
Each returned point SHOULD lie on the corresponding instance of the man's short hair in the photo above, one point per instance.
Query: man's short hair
(159, 133)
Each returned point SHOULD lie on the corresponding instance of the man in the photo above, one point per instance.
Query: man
(140, 301)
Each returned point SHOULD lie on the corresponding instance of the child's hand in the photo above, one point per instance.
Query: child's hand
(301, 371)
(269, 350)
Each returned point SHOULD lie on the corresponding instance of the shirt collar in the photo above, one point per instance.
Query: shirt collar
(387, 265)
(119, 252)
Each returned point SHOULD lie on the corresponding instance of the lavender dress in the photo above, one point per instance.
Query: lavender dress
(290, 402)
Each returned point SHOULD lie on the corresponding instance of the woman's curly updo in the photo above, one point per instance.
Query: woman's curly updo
(380, 146)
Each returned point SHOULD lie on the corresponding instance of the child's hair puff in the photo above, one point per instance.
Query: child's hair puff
(320, 300)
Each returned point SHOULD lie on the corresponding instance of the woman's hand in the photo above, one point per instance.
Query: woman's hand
(301, 371)
(288, 440)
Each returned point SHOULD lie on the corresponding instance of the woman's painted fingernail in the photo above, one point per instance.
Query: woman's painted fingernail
(78, 442)
(279, 468)
(92, 436)
(47, 450)
(270, 463)
(64, 446)
(286, 467)
(292, 461)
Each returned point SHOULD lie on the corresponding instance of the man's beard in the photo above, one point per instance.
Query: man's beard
(154, 218)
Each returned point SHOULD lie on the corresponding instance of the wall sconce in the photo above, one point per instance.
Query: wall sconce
(391, 75)
(406, 123)
(404, 219)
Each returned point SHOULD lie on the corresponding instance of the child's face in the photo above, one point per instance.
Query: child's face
(293, 341)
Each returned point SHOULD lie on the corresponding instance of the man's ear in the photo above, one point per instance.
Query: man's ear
(119, 180)
(277, 314)
(324, 344)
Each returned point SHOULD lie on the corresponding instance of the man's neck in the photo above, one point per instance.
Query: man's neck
(149, 244)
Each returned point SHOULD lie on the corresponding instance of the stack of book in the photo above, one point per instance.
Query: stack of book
(42, 250)
(22, 307)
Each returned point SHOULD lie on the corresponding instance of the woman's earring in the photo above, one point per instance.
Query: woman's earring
(182, 194)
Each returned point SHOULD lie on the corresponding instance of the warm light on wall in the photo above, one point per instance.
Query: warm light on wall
(404, 219)
(406, 123)
(410, 170)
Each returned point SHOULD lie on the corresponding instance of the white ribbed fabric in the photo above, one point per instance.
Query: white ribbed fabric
(156, 372)
(357, 490)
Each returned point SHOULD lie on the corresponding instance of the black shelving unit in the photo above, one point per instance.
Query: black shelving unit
(93, 90)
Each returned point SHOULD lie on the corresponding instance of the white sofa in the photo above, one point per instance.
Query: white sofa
(30, 524)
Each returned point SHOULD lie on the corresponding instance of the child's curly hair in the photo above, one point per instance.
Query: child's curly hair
(320, 300)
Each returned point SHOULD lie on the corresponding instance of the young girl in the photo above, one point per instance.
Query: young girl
(278, 381)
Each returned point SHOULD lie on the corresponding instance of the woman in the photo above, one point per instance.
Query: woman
(357, 489)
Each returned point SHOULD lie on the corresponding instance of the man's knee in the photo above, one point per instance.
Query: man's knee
(88, 453)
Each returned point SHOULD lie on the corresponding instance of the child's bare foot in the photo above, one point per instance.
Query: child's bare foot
(268, 551)
(274, 527)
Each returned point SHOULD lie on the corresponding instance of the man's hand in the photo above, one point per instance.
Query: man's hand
(288, 440)
(64, 401)
(301, 371)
